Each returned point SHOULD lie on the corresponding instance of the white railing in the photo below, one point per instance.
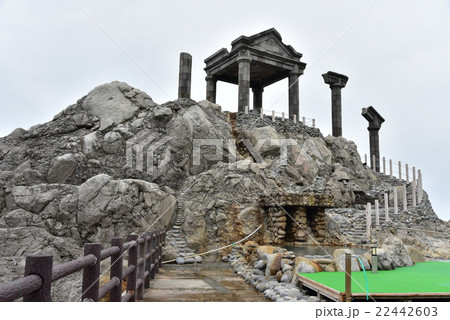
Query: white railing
(284, 117)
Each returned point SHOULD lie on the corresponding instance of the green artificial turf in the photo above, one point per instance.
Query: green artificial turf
(423, 277)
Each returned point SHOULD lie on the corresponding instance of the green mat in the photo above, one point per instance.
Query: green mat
(423, 277)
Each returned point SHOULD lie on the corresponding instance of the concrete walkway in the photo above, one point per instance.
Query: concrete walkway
(201, 282)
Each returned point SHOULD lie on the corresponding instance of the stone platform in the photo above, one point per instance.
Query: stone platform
(210, 281)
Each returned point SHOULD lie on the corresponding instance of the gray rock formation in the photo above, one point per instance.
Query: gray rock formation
(115, 162)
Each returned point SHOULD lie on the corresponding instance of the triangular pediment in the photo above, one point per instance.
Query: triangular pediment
(268, 41)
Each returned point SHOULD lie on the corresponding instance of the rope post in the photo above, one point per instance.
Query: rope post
(42, 266)
(282, 116)
(313, 123)
(405, 199)
(261, 113)
(295, 118)
(377, 213)
(386, 207)
(348, 277)
(390, 168)
(304, 120)
(373, 164)
(115, 294)
(141, 269)
(368, 219)
(246, 109)
(384, 165)
(132, 261)
(407, 173)
(400, 170)
(395, 200)
(414, 173)
(91, 275)
(148, 260)
(273, 115)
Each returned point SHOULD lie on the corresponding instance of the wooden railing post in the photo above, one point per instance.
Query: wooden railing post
(42, 266)
(153, 250)
(161, 235)
(148, 261)
(141, 268)
(91, 275)
(132, 261)
(116, 270)
(348, 277)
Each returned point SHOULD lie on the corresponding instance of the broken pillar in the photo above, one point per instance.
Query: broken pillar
(184, 78)
(337, 82)
(375, 120)
(257, 97)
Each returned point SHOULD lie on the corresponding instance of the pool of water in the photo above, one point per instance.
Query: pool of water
(315, 250)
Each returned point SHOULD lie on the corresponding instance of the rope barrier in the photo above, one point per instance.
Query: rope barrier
(214, 250)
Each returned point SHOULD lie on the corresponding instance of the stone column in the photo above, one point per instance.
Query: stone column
(337, 82)
(294, 99)
(211, 88)
(257, 98)
(244, 61)
(375, 121)
(184, 77)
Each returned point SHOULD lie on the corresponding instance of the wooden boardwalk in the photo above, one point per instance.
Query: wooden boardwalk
(200, 283)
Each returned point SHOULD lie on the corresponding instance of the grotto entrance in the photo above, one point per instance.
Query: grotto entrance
(295, 219)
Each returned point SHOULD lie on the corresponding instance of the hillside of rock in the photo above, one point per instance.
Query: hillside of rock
(115, 162)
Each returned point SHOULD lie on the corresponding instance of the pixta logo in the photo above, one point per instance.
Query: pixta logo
(141, 150)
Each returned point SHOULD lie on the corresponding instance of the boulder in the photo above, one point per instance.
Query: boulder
(250, 218)
(62, 168)
(339, 257)
(305, 265)
(398, 252)
(385, 260)
(265, 140)
(273, 264)
(109, 104)
(263, 251)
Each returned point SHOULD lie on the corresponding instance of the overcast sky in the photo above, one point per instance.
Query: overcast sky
(395, 53)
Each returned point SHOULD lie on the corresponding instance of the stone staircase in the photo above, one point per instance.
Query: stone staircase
(175, 238)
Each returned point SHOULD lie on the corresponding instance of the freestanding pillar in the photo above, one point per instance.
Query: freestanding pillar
(337, 82)
(257, 98)
(211, 83)
(294, 100)
(375, 121)
(244, 61)
(184, 78)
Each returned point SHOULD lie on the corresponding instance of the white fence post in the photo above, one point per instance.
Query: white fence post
(405, 199)
(419, 187)
(282, 116)
(313, 123)
(407, 173)
(368, 219)
(365, 158)
(384, 165)
(395, 200)
(390, 168)
(273, 115)
(374, 166)
(377, 213)
(262, 113)
(413, 186)
(400, 170)
(386, 206)
(295, 118)
(246, 109)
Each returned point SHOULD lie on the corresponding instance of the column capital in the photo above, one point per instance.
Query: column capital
(296, 71)
(244, 56)
(373, 117)
(335, 80)
(210, 78)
